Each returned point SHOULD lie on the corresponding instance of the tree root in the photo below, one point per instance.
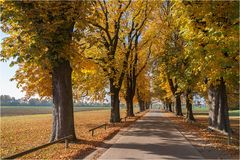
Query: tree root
(189, 120)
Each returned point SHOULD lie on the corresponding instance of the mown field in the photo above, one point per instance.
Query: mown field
(19, 133)
(29, 110)
(201, 110)
(204, 111)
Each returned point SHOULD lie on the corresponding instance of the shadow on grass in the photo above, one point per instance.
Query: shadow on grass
(81, 154)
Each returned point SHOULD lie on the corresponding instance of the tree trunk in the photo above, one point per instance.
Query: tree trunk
(170, 106)
(189, 100)
(130, 91)
(115, 114)
(218, 107)
(174, 88)
(140, 102)
(63, 119)
(130, 112)
(224, 123)
(165, 106)
(178, 107)
(141, 105)
(146, 104)
(213, 98)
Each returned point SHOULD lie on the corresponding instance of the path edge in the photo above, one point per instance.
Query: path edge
(109, 142)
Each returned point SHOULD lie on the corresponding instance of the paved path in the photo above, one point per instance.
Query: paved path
(152, 137)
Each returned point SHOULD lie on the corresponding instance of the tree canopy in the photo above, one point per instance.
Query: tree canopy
(138, 50)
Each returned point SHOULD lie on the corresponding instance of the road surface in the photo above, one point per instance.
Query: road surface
(152, 137)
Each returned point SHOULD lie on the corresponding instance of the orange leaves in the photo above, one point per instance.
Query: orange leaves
(23, 132)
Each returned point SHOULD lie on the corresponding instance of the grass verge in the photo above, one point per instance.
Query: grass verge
(212, 140)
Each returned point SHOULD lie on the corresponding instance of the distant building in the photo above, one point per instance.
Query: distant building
(199, 101)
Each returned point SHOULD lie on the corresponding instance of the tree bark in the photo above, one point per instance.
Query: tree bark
(147, 104)
(174, 88)
(224, 123)
(130, 91)
(141, 105)
(63, 119)
(178, 106)
(213, 99)
(170, 106)
(189, 100)
(140, 102)
(218, 107)
(165, 106)
(130, 112)
(114, 91)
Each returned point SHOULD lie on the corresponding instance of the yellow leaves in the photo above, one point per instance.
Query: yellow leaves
(34, 80)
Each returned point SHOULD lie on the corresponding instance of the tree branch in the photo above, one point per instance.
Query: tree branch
(145, 64)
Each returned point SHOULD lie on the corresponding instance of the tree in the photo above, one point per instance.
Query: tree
(106, 29)
(212, 35)
(89, 81)
(169, 57)
(138, 18)
(40, 37)
(143, 90)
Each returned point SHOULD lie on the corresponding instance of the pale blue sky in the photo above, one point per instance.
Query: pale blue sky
(8, 87)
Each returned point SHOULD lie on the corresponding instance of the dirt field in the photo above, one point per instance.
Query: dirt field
(30, 110)
(19, 133)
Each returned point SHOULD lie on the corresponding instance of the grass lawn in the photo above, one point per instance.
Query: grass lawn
(204, 111)
(19, 133)
(234, 113)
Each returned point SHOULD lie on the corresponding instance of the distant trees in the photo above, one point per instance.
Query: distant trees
(7, 100)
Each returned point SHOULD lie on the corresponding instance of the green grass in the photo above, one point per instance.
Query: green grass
(200, 109)
(234, 113)
(204, 111)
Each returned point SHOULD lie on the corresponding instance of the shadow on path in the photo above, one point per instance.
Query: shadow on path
(152, 137)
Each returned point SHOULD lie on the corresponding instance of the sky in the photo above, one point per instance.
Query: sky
(8, 87)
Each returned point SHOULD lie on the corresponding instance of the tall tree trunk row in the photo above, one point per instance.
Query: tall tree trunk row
(218, 107)
(178, 106)
(189, 100)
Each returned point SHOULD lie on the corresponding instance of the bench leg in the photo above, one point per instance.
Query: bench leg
(66, 143)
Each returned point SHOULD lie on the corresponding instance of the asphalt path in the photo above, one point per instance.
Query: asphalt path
(152, 137)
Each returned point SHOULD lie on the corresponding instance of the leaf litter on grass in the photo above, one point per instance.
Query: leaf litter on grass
(211, 139)
(20, 133)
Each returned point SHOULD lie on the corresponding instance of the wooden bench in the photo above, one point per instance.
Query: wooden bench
(93, 129)
(125, 118)
(229, 135)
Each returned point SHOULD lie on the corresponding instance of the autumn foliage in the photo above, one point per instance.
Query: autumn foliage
(132, 51)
